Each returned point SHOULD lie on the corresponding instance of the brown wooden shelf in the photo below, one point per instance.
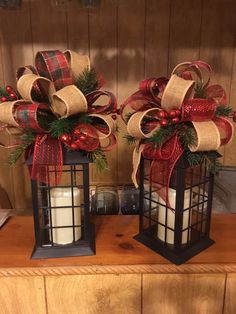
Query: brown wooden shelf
(116, 250)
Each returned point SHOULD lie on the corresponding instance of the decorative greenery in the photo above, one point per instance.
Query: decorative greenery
(130, 139)
(160, 136)
(27, 140)
(225, 111)
(64, 125)
(99, 158)
(199, 91)
(3, 92)
(88, 81)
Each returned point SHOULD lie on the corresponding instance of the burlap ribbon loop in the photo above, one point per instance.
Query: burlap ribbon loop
(78, 63)
(68, 101)
(134, 126)
(27, 83)
(7, 112)
(176, 91)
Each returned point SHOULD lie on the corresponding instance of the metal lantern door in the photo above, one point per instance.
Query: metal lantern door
(61, 213)
(181, 230)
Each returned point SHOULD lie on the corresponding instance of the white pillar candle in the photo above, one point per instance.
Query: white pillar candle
(63, 216)
(163, 211)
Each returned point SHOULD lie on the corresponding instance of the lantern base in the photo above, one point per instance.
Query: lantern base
(82, 248)
(166, 251)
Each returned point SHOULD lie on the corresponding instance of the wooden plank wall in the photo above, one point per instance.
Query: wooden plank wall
(127, 40)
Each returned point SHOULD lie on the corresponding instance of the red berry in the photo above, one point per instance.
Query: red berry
(9, 89)
(162, 114)
(73, 146)
(175, 120)
(114, 117)
(178, 112)
(172, 113)
(12, 96)
(164, 122)
(65, 138)
(3, 99)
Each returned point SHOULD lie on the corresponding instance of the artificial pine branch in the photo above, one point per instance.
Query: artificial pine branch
(212, 160)
(61, 126)
(187, 135)
(199, 91)
(3, 92)
(163, 134)
(27, 139)
(99, 158)
(194, 159)
(225, 111)
(87, 82)
(130, 139)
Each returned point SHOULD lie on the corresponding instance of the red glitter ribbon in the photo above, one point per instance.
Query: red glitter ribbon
(47, 160)
(164, 160)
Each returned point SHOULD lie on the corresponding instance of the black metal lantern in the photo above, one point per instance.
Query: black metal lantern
(180, 231)
(61, 213)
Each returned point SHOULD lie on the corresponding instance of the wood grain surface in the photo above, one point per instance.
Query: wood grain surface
(89, 294)
(115, 247)
(177, 294)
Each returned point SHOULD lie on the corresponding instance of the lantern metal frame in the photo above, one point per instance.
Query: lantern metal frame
(76, 164)
(199, 182)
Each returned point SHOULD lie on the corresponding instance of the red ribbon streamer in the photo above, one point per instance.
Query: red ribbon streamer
(47, 160)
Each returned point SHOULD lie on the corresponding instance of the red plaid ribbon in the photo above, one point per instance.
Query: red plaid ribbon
(54, 66)
(26, 116)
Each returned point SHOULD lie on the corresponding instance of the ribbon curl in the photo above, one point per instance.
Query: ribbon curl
(49, 88)
(178, 94)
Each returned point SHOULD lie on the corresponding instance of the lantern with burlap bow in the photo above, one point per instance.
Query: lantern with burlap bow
(177, 125)
(61, 128)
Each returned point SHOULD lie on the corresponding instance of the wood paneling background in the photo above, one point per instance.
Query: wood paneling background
(127, 40)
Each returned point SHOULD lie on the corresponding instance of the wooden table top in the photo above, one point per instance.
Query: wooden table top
(116, 250)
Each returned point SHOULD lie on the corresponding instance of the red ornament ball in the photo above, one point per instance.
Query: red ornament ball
(175, 120)
(162, 114)
(65, 138)
(234, 116)
(114, 117)
(3, 99)
(12, 96)
(177, 112)
(172, 113)
(9, 89)
(164, 122)
(74, 145)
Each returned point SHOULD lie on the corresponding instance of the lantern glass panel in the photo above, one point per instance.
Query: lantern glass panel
(180, 228)
(61, 212)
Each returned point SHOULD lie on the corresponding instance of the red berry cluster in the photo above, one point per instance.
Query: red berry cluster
(11, 95)
(234, 116)
(172, 116)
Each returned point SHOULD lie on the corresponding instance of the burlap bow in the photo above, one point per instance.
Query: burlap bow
(49, 87)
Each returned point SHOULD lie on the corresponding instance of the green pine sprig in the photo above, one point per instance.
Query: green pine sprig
(187, 135)
(61, 126)
(3, 92)
(200, 91)
(212, 161)
(130, 139)
(99, 159)
(87, 82)
(27, 139)
(160, 136)
(225, 111)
